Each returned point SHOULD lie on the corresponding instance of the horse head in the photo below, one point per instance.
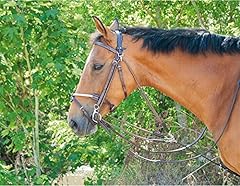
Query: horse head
(100, 87)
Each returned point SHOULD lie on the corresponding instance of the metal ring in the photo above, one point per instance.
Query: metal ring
(96, 107)
(96, 117)
(115, 62)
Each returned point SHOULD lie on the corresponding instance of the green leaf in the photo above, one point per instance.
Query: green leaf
(20, 19)
(52, 13)
(10, 32)
(18, 139)
(10, 4)
(5, 132)
(12, 116)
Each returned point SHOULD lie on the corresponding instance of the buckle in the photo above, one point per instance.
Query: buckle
(96, 116)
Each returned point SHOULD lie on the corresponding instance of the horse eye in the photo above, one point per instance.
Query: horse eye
(97, 66)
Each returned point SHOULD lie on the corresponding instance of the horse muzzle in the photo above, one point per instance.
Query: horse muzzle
(81, 125)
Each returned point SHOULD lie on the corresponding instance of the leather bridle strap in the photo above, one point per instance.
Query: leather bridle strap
(106, 47)
(108, 82)
(124, 88)
(95, 97)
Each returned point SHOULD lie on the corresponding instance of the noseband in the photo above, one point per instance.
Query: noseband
(101, 98)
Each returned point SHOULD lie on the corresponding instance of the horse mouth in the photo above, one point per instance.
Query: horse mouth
(82, 127)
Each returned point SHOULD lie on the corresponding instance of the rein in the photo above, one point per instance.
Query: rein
(96, 117)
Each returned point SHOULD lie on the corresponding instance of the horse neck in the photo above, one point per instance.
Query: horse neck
(204, 84)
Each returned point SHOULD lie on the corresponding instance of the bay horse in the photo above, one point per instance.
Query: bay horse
(198, 69)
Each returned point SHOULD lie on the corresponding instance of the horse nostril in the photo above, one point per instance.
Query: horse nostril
(73, 124)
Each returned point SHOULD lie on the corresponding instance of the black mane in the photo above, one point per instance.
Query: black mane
(193, 41)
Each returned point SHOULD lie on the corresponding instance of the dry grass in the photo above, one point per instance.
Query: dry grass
(138, 172)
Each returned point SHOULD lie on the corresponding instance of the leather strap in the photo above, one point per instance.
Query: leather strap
(95, 97)
(107, 84)
(120, 72)
(106, 47)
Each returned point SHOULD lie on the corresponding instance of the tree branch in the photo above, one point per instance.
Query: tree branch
(36, 127)
(157, 18)
(36, 136)
(200, 19)
(199, 168)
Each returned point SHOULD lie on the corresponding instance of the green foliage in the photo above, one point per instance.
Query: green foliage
(43, 47)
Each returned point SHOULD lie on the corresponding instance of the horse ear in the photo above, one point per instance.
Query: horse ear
(101, 28)
(114, 25)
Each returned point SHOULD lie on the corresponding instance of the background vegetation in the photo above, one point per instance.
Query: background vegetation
(44, 45)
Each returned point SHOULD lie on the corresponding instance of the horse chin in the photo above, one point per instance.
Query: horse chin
(92, 130)
(86, 132)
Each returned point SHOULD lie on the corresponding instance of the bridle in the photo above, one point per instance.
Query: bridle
(96, 118)
(101, 98)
